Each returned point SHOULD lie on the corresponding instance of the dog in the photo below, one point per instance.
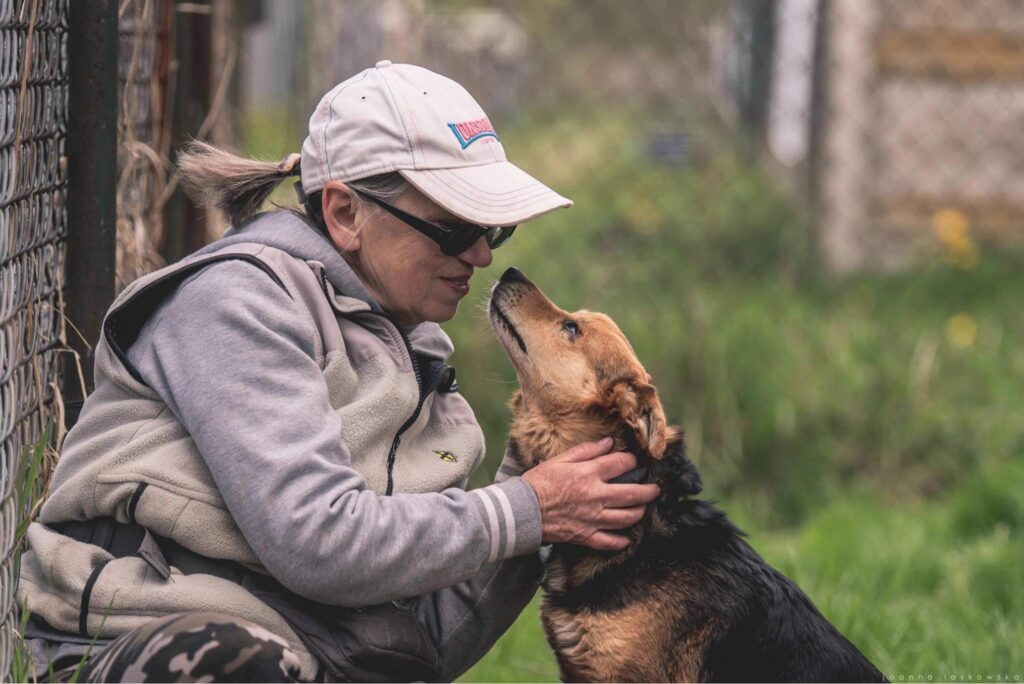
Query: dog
(689, 599)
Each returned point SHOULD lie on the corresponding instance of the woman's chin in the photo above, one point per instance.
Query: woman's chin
(443, 314)
(435, 312)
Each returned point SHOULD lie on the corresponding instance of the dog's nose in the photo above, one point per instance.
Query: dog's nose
(513, 275)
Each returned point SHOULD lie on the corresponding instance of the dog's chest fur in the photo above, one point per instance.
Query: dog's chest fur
(622, 635)
(688, 600)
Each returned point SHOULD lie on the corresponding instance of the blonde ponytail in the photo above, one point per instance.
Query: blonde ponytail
(214, 177)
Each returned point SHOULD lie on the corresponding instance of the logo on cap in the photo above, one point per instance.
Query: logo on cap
(469, 131)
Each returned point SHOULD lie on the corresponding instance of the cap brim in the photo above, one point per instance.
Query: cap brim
(495, 194)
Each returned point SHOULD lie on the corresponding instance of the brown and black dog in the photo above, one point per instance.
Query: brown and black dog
(688, 600)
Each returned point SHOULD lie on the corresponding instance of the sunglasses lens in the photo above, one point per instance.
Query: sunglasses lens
(496, 237)
(459, 240)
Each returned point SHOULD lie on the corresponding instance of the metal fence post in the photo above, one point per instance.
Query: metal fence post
(92, 182)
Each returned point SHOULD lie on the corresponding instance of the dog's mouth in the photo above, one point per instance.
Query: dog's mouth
(508, 290)
(498, 317)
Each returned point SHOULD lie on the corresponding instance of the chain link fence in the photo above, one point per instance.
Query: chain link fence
(33, 228)
(33, 225)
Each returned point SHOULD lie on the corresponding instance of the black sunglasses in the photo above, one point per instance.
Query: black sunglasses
(452, 240)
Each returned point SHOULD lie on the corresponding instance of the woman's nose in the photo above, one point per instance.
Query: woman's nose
(479, 254)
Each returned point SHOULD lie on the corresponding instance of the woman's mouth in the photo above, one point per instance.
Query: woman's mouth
(460, 285)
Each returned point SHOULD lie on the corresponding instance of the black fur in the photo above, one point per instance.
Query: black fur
(766, 628)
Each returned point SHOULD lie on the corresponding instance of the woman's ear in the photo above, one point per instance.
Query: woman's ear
(340, 216)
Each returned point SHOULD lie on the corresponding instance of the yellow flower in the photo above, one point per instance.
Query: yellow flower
(961, 331)
(951, 226)
(953, 231)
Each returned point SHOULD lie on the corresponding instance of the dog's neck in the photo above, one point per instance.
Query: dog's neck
(537, 435)
(541, 433)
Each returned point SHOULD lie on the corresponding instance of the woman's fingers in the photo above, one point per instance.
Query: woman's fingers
(629, 495)
(619, 518)
(605, 541)
(578, 505)
(584, 452)
(610, 466)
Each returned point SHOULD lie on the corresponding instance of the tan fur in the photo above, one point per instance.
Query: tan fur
(627, 644)
(550, 434)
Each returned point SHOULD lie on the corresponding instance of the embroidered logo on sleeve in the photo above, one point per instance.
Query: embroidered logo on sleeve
(447, 456)
(467, 132)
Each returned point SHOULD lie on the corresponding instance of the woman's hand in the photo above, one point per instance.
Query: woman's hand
(578, 504)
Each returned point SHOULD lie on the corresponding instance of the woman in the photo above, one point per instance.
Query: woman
(267, 482)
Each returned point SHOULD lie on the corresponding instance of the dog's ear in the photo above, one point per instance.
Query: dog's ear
(640, 408)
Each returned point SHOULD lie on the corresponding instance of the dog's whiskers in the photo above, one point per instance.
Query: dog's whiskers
(498, 379)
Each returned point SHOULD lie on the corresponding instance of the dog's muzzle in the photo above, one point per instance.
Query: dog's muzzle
(506, 293)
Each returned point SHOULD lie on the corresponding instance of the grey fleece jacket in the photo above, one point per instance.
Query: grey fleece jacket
(231, 355)
(307, 514)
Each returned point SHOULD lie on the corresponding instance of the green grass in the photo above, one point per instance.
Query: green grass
(30, 483)
(923, 589)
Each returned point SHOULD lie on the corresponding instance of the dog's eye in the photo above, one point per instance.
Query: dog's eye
(571, 328)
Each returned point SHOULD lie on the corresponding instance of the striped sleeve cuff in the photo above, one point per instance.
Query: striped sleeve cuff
(512, 513)
(509, 468)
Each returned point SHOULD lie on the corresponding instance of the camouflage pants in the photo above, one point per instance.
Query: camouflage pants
(193, 647)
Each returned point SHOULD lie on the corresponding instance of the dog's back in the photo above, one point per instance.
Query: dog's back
(777, 634)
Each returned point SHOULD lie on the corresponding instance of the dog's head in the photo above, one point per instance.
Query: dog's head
(577, 369)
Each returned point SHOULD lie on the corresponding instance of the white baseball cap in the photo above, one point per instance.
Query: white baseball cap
(404, 118)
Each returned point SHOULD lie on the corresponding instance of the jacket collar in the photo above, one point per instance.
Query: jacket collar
(291, 233)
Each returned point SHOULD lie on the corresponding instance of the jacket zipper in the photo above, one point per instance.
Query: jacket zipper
(424, 390)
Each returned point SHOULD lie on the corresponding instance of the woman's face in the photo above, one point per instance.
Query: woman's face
(404, 270)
